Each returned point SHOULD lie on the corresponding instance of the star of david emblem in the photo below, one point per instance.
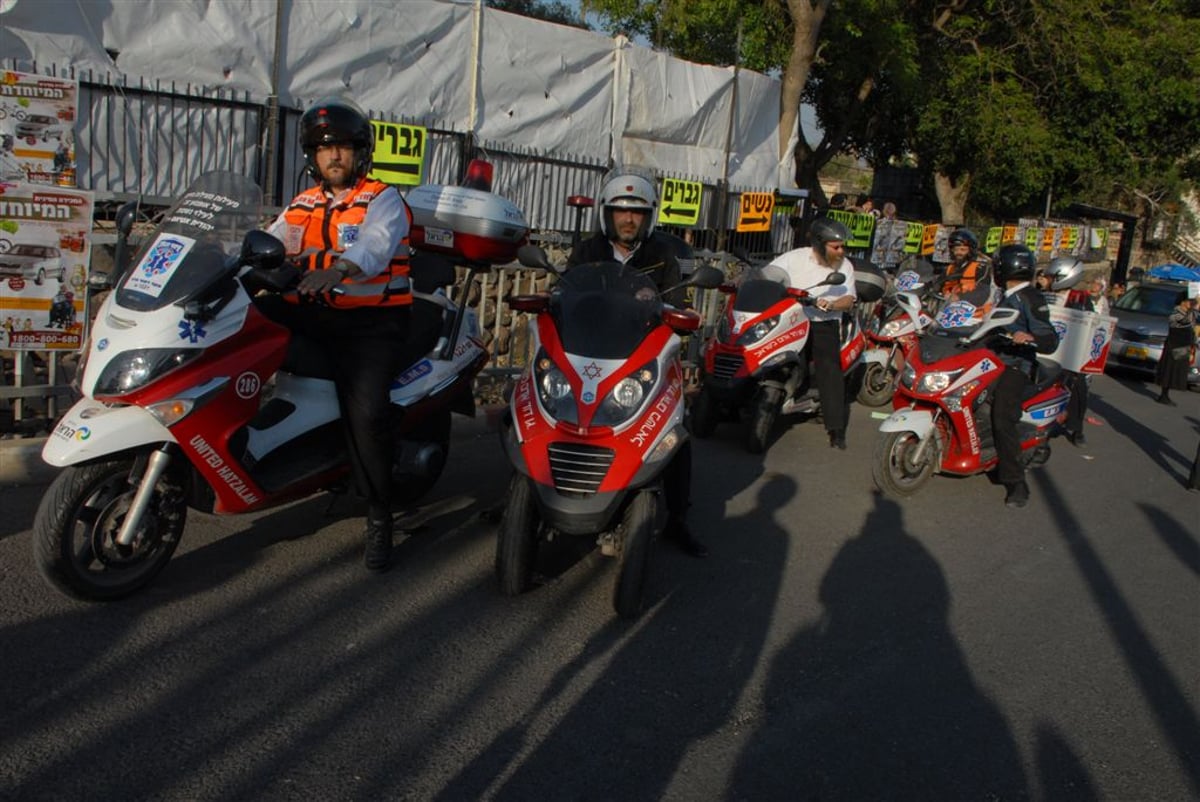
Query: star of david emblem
(592, 371)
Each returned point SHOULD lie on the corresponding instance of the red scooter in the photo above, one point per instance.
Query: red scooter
(756, 365)
(942, 417)
(893, 328)
(192, 398)
(595, 425)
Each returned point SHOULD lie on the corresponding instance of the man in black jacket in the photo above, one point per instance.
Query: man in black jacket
(628, 211)
(1032, 334)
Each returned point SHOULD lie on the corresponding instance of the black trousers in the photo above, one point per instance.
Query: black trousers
(1077, 406)
(366, 350)
(826, 344)
(1006, 413)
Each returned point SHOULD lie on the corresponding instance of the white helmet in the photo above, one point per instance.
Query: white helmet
(1064, 272)
(628, 188)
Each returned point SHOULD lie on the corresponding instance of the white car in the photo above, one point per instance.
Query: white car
(32, 262)
(40, 126)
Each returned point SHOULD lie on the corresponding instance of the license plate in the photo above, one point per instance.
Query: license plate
(1136, 352)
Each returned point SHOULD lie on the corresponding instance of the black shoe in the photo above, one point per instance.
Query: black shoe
(1162, 399)
(1018, 495)
(837, 440)
(378, 553)
(1078, 439)
(681, 536)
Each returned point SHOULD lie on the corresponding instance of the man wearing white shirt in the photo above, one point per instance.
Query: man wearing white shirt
(806, 268)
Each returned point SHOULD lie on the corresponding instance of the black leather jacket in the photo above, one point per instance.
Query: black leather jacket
(1034, 319)
(655, 257)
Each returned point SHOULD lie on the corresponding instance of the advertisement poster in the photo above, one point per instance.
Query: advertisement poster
(37, 128)
(45, 242)
(1083, 339)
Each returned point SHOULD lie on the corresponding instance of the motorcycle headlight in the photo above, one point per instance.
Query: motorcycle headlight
(627, 396)
(936, 382)
(758, 331)
(892, 328)
(133, 370)
(908, 376)
(554, 389)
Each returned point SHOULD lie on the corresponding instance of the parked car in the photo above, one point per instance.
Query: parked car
(1141, 315)
(40, 126)
(33, 262)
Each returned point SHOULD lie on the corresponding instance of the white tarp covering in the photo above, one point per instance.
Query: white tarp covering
(508, 78)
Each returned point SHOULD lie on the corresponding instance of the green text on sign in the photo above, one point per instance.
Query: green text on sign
(399, 153)
(861, 226)
(680, 204)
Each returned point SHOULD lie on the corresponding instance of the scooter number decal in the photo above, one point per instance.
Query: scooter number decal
(247, 385)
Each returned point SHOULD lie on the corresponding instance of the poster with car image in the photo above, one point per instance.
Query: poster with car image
(45, 243)
(37, 128)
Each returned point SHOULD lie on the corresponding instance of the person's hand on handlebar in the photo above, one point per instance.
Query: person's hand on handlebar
(316, 282)
(1022, 337)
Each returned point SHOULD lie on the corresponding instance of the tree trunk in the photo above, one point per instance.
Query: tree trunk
(952, 196)
(807, 16)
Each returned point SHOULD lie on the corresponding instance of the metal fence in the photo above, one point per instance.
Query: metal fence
(148, 141)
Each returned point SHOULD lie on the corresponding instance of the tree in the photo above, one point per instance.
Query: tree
(1001, 102)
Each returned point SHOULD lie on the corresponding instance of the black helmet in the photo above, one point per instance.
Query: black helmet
(824, 230)
(1015, 263)
(964, 236)
(333, 121)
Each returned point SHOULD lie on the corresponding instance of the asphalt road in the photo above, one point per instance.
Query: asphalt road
(835, 645)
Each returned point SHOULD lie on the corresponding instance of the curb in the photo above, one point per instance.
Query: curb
(21, 458)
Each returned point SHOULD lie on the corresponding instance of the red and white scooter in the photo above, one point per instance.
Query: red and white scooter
(179, 408)
(595, 426)
(942, 408)
(757, 364)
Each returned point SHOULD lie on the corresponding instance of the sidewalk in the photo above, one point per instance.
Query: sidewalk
(21, 458)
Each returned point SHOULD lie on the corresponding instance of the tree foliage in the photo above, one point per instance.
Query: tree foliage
(1000, 101)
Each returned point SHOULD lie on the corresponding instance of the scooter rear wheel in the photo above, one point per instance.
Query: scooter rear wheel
(878, 385)
(893, 468)
(75, 529)
(517, 541)
(638, 522)
(409, 488)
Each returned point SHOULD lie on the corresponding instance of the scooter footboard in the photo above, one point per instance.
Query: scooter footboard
(917, 421)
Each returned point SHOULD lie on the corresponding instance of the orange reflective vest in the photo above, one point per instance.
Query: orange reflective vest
(961, 280)
(329, 228)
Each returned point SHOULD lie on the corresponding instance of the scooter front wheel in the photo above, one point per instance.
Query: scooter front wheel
(703, 414)
(76, 525)
(894, 467)
(878, 385)
(636, 551)
(517, 542)
(764, 411)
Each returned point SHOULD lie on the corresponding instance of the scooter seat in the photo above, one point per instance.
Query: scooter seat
(1046, 373)
(306, 358)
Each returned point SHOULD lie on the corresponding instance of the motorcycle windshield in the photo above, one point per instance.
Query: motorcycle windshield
(604, 310)
(760, 289)
(195, 245)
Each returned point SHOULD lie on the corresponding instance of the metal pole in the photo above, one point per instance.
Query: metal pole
(271, 145)
(723, 186)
